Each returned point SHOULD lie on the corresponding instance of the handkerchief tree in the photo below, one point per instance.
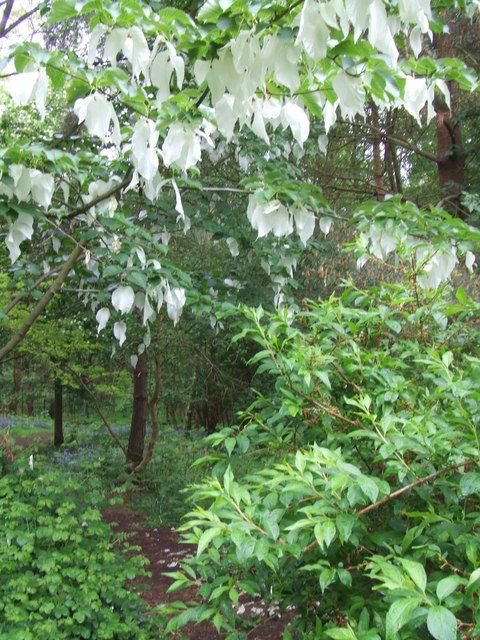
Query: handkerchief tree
(157, 91)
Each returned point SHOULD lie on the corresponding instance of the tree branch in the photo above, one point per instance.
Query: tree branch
(397, 493)
(408, 487)
(6, 15)
(108, 194)
(21, 19)
(42, 303)
(399, 142)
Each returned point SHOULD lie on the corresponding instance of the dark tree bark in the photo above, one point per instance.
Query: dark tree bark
(58, 438)
(138, 427)
(450, 150)
(377, 159)
(30, 404)
(16, 384)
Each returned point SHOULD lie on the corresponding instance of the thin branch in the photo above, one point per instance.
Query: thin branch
(98, 408)
(399, 142)
(408, 487)
(6, 15)
(15, 24)
(88, 205)
(43, 302)
(396, 494)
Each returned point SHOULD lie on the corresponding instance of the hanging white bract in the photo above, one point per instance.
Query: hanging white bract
(18, 231)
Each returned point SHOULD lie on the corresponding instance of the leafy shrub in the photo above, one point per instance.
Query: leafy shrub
(60, 574)
(363, 511)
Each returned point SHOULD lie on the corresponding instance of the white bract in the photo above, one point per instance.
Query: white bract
(99, 116)
(175, 301)
(123, 298)
(18, 231)
(350, 93)
(29, 184)
(102, 316)
(296, 118)
(325, 225)
(436, 265)
(470, 260)
(28, 86)
(144, 152)
(181, 146)
(233, 246)
(271, 216)
(163, 63)
(120, 332)
(304, 222)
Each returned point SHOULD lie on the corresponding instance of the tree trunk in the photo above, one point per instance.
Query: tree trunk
(30, 395)
(377, 158)
(16, 384)
(450, 151)
(58, 413)
(138, 427)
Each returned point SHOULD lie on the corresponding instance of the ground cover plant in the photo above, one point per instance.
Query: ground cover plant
(62, 572)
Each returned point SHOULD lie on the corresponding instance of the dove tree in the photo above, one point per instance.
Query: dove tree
(158, 92)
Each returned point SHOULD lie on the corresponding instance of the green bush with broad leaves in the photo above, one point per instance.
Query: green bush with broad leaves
(362, 512)
(61, 574)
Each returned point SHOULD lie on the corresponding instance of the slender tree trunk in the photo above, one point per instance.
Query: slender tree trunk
(16, 384)
(450, 151)
(58, 413)
(377, 158)
(138, 427)
(391, 159)
(188, 420)
(30, 394)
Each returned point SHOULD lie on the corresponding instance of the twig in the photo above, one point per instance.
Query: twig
(396, 494)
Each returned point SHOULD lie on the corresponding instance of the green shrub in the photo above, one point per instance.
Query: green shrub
(363, 510)
(61, 576)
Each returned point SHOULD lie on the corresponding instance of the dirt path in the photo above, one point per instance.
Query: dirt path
(31, 441)
(163, 549)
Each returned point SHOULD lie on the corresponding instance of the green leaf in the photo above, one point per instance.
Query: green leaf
(230, 445)
(345, 523)
(341, 634)
(61, 10)
(369, 487)
(447, 586)
(442, 624)
(399, 614)
(324, 533)
(416, 572)
(470, 483)
(206, 537)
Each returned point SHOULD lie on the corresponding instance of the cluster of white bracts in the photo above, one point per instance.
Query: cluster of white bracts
(28, 184)
(434, 264)
(124, 299)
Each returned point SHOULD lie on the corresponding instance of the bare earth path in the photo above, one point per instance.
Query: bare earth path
(163, 549)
